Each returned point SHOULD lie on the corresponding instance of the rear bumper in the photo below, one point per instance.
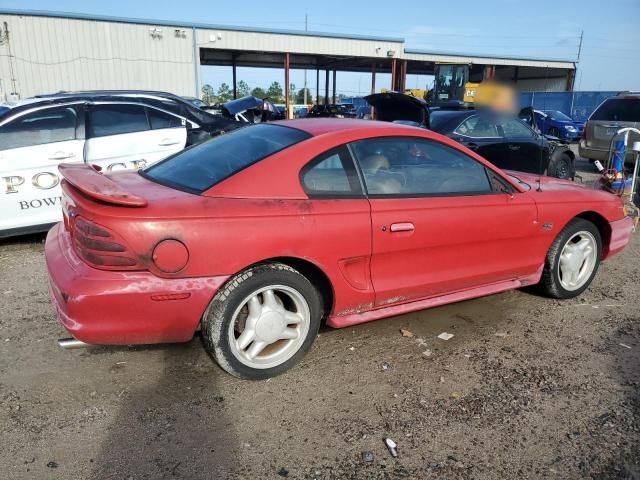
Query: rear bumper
(116, 308)
(620, 236)
(592, 153)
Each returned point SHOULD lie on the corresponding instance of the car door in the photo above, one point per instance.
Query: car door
(32, 145)
(127, 135)
(439, 224)
(341, 221)
(526, 147)
(479, 133)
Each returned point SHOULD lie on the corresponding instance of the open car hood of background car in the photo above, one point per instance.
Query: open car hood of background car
(394, 106)
(239, 105)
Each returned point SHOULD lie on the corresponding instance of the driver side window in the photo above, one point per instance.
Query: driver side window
(477, 127)
(415, 167)
(515, 128)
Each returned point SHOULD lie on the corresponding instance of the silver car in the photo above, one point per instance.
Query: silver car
(613, 114)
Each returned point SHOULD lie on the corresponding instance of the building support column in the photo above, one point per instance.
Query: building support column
(489, 72)
(317, 86)
(326, 86)
(373, 83)
(233, 71)
(334, 87)
(393, 74)
(402, 80)
(286, 85)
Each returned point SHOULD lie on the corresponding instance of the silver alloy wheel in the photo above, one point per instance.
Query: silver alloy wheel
(577, 260)
(269, 326)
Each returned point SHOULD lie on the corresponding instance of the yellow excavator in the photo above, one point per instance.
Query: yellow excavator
(464, 85)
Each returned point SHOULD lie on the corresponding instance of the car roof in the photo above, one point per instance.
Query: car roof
(321, 126)
(165, 100)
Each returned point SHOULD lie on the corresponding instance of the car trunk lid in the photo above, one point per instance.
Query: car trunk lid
(93, 184)
(398, 107)
(110, 218)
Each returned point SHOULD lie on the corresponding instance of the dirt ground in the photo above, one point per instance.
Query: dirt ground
(527, 388)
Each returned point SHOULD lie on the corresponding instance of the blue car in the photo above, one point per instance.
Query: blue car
(557, 124)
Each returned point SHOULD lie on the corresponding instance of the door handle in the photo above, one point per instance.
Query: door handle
(62, 155)
(472, 146)
(402, 227)
(514, 147)
(167, 141)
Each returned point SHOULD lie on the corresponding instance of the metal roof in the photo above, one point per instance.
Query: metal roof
(402, 52)
(561, 63)
(178, 23)
(488, 55)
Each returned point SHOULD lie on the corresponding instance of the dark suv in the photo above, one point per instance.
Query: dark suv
(614, 113)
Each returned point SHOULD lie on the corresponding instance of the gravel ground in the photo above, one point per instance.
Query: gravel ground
(528, 387)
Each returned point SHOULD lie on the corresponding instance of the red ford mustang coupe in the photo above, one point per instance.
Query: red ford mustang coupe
(258, 235)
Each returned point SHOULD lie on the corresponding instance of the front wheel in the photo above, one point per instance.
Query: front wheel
(572, 260)
(262, 322)
(561, 167)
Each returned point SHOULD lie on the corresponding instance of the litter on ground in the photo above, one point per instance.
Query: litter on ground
(392, 447)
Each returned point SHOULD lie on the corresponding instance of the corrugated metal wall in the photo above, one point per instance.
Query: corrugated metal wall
(275, 42)
(64, 54)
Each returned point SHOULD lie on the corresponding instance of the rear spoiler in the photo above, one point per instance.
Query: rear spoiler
(95, 185)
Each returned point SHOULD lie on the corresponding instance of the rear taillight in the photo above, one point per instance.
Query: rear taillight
(101, 248)
(584, 133)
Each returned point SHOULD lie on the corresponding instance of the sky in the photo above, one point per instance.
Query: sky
(550, 29)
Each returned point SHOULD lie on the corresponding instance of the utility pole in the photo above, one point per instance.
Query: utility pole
(305, 70)
(580, 46)
(576, 71)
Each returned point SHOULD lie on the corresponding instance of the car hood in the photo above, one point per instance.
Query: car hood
(551, 190)
(398, 107)
(568, 123)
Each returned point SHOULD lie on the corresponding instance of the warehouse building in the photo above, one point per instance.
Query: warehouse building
(44, 52)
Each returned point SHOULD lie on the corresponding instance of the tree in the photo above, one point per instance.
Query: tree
(208, 95)
(242, 89)
(259, 92)
(300, 96)
(275, 93)
(224, 93)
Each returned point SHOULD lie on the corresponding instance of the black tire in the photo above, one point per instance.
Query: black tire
(218, 316)
(561, 167)
(550, 283)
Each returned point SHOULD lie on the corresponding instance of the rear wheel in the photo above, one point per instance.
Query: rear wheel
(262, 322)
(572, 260)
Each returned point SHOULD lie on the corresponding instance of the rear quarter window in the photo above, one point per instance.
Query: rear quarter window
(618, 109)
(202, 166)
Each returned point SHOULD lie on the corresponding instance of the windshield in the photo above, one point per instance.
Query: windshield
(199, 168)
(558, 115)
(449, 82)
(618, 109)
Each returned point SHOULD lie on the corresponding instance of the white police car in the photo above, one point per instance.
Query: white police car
(114, 130)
